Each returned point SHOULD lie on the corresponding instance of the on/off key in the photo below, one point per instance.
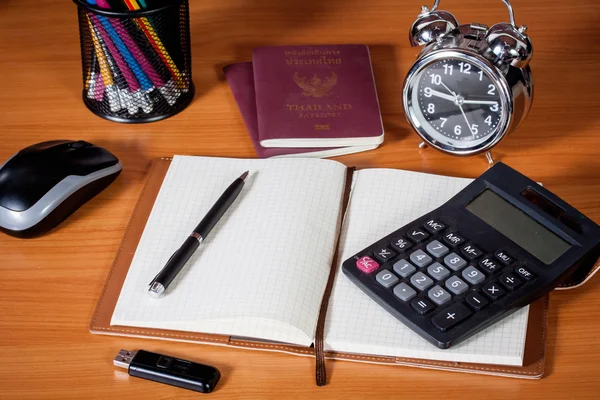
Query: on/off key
(525, 273)
(366, 264)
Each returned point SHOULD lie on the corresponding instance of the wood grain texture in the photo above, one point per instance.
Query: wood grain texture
(50, 285)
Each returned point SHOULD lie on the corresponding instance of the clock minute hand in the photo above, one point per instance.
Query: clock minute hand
(466, 120)
(479, 102)
(442, 95)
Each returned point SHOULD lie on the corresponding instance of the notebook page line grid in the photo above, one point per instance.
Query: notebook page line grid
(381, 202)
(253, 267)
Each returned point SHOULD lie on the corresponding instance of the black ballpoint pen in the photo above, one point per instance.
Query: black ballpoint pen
(164, 278)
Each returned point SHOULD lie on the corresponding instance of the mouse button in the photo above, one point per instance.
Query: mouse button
(20, 189)
(79, 144)
(45, 145)
(90, 159)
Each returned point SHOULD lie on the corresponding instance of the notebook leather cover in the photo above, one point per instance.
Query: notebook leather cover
(533, 366)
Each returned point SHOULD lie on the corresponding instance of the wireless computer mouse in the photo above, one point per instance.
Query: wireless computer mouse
(43, 184)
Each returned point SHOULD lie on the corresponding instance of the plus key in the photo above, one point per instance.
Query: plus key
(450, 316)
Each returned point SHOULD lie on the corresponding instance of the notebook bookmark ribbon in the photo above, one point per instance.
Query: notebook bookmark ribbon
(321, 373)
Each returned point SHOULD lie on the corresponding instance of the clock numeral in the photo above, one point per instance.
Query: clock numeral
(457, 130)
(443, 121)
(480, 75)
(448, 69)
(436, 79)
(427, 91)
(465, 68)
(488, 120)
(474, 129)
(494, 107)
(431, 108)
(492, 90)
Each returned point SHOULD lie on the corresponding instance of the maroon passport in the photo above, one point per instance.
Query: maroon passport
(316, 96)
(240, 78)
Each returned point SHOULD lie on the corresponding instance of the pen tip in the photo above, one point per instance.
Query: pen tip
(244, 175)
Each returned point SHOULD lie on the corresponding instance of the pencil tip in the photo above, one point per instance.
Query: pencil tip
(244, 175)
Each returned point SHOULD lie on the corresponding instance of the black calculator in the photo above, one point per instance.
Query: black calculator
(498, 245)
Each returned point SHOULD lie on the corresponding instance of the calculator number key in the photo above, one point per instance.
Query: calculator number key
(436, 249)
(489, 265)
(476, 301)
(454, 261)
(524, 273)
(454, 239)
(493, 290)
(386, 278)
(456, 285)
(422, 306)
(384, 254)
(510, 281)
(366, 264)
(434, 226)
(473, 275)
(471, 252)
(438, 295)
(438, 271)
(401, 244)
(450, 316)
(420, 258)
(421, 281)
(404, 292)
(417, 235)
(404, 268)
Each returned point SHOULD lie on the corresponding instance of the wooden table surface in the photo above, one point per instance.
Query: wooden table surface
(49, 285)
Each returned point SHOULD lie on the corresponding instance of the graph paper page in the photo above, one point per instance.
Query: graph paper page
(262, 270)
(382, 201)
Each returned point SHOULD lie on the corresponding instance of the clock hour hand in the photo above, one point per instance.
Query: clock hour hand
(480, 102)
(442, 95)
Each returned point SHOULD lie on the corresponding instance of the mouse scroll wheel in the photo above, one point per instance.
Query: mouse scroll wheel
(79, 144)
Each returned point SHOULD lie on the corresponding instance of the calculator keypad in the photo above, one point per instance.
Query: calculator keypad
(401, 244)
(404, 292)
(454, 261)
(456, 285)
(421, 281)
(420, 258)
(473, 275)
(432, 268)
(439, 295)
(438, 271)
(436, 249)
(417, 235)
(384, 254)
(386, 278)
(404, 268)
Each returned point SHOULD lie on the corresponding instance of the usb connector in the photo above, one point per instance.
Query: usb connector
(123, 359)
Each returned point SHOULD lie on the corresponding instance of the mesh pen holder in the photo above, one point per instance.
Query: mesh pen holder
(137, 62)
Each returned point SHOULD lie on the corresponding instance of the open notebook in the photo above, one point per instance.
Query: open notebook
(268, 276)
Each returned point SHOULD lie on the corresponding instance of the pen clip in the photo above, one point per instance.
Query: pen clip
(161, 270)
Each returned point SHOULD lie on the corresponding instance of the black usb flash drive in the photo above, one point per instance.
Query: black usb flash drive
(170, 370)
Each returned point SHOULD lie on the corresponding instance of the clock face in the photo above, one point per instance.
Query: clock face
(457, 103)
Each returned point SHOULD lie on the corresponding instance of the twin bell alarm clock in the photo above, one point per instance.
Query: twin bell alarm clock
(471, 84)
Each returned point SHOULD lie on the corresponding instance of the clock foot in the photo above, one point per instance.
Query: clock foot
(422, 145)
(489, 157)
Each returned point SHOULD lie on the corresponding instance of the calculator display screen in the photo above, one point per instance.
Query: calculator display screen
(518, 226)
